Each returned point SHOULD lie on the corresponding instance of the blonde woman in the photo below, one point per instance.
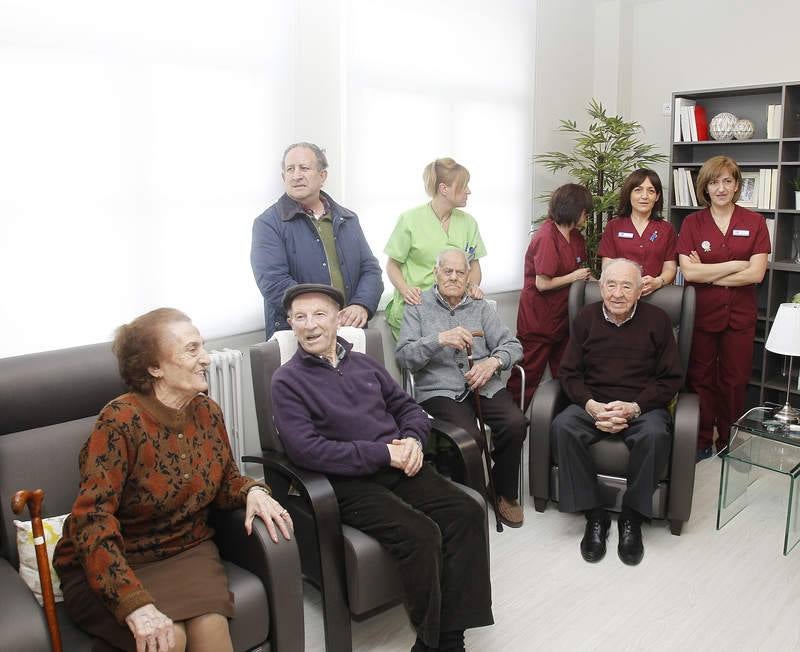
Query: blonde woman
(422, 232)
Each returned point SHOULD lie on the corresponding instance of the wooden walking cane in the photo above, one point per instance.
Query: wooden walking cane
(34, 499)
(487, 458)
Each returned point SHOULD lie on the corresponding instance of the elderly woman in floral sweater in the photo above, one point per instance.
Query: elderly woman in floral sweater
(137, 563)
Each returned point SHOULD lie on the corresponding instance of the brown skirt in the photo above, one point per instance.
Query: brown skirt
(186, 585)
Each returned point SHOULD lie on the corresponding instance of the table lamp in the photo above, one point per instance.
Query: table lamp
(784, 339)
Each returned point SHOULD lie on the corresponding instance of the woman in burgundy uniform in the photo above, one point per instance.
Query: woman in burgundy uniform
(640, 234)
(723, 253)
(554, 259)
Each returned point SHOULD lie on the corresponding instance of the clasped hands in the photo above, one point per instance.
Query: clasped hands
(651, 283)
(611, 417)
(406, 454)
(460, 338)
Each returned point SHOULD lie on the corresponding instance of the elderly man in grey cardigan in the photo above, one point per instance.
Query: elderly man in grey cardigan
(432, 344)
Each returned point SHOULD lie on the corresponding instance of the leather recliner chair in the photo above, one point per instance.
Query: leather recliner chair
(354, 573)
(48, 406)
(672, 499)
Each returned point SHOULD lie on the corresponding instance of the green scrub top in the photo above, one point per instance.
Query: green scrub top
(416, 241)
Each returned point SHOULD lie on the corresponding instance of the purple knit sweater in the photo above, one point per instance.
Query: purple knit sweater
(339, 420)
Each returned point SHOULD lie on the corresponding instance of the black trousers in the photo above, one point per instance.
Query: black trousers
(437, 533)
(648, 439)
(509, 427)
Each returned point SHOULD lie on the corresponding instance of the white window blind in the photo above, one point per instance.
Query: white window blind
(431, 79)
(138, 142)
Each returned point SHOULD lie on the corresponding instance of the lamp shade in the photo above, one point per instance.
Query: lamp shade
(784, 335)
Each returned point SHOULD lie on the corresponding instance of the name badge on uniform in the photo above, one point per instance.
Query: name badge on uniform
(625, 234)
(741, 232)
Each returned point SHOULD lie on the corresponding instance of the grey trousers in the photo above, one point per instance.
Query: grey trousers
(648, 438)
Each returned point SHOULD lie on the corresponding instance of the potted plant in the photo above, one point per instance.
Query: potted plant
(604, 153)
(795, 184)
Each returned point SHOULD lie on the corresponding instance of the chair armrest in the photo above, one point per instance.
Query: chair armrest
(277, 565)
(313, 486)
(684, 448)
(547, 402)
(470, 453)
(318, 495)
(22, 623)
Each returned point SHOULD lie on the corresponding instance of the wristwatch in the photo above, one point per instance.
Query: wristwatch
(499, 360)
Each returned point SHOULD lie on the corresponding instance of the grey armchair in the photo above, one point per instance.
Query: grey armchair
(672, 499)
(48, 405)
(356, 576)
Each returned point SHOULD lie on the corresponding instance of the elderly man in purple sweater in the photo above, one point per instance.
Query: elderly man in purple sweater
(339, 412)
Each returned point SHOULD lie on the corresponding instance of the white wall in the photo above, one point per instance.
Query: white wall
(633, 54)
(684, 45)
(564, 69)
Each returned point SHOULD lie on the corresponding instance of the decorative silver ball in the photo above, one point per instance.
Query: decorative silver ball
(722, 125)
(743, 129)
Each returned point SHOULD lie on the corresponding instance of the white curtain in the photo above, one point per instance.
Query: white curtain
(431, 79)
(138, 141)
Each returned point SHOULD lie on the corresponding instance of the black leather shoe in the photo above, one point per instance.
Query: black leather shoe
(593, 544)
(630, 548)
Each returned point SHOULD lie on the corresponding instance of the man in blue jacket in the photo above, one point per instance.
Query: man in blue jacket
(306, 237)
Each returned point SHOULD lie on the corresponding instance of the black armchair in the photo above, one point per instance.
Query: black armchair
(356, 576)
(48, 406)
(672, 499)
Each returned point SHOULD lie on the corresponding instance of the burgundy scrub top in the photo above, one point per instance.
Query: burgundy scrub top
(720, 307)
(656, 245)
(544, 314)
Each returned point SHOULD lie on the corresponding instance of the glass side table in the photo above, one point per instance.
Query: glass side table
(757, 440)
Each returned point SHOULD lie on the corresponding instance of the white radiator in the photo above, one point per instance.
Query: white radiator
(225, 387)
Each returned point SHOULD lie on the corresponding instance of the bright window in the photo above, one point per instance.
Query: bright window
(139, 142)
(431, 79)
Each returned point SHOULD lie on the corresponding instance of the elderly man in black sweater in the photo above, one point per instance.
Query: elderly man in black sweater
(620, 371)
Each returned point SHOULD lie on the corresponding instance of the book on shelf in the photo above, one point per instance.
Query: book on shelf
(701, 121)
(686, 127)
(676, 186)
(771, 121)
(690, 186)
(690, 110)
(683, 186)
(762, 185)
(774, 120)
(773, 192)
(684, 112)
(765, 188)
(771, 230)
(678, 118)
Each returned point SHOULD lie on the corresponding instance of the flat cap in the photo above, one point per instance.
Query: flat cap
(304, 288)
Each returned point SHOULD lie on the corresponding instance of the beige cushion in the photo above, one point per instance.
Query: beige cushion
(288, 343)
(26, 550)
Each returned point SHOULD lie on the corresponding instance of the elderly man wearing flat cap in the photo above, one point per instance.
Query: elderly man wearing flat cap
(339, 412)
